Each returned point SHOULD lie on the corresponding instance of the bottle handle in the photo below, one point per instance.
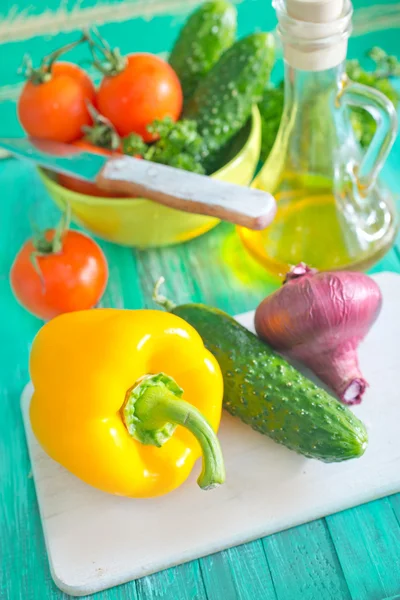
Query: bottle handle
(385, 116)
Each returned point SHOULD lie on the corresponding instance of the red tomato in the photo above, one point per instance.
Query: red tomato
(73, 279)
(57, 109)
(86, 187)
(147, 89)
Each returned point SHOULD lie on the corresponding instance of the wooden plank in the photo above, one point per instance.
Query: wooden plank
(304, 564)
(22, 549)
(391, 262)
(240, 572)
(214, 269)
(395, 504)
(217, 577)
(367, 541)
(180, 583)
(167, 263)
(251, 573)
(123, 288)
(133, 27)
(22, 22)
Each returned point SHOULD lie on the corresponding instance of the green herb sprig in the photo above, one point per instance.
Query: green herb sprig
(386, 66)
(179, 145)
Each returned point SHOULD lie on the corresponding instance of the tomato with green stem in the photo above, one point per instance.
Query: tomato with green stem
(58, 271)
(136, 90)
(53, 104)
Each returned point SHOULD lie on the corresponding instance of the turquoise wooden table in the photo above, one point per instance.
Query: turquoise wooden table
(351, 555)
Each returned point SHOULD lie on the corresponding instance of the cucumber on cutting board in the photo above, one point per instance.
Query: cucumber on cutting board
(270, 395)
(224, 98)
(209, 31)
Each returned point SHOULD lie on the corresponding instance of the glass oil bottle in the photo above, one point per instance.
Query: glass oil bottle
(332, 212)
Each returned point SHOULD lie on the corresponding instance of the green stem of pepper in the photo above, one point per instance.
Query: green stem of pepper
(152, 410)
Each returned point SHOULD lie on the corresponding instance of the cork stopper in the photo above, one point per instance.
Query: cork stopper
(314, 33)
(315, 11)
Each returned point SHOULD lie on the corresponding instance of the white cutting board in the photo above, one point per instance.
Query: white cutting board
(95, 541)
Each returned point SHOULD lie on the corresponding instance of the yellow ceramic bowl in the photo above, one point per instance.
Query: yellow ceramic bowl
(142, 223)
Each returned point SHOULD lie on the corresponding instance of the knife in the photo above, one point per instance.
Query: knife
(166, 185)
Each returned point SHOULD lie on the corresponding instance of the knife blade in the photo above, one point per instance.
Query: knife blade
(182, 190)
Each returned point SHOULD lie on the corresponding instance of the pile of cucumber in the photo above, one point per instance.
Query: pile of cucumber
(221, 79)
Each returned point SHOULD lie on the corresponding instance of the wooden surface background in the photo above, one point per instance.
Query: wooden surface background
(352, 555)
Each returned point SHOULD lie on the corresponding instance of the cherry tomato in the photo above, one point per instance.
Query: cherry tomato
(72, 279)
(147, 89)
(57, 109)
(86, 187)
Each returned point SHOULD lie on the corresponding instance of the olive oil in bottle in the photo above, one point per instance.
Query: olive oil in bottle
(332, 213)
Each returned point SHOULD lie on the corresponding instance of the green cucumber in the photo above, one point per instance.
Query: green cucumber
(224, 98)
(270, 395)
(271, 109)
(209, 31)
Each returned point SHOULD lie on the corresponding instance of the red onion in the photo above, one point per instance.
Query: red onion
(319, 319)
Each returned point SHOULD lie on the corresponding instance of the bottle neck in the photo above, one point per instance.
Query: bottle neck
(302, 86)
(313, 126)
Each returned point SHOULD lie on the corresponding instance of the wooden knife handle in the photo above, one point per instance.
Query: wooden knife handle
(187, 191)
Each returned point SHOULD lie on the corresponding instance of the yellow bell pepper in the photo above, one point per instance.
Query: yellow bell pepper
(107, 400)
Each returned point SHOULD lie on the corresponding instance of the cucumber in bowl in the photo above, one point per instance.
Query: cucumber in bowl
(208, 32)
(224, 98)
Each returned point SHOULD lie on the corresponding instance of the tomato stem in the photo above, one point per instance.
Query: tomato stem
(102, 133)
(43, 73)
(107, 60)
(44, 246)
